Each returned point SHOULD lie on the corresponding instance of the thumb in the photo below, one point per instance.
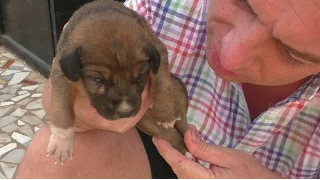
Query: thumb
(183, 167)
(216, 155)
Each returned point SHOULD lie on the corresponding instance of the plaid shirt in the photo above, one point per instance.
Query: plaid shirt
(285, 138)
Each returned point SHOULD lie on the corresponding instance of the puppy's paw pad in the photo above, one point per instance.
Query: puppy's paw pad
(189, 156)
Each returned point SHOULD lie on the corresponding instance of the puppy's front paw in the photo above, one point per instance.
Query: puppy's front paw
(61, 144)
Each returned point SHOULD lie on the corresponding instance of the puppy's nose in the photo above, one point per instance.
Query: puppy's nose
(125, 110)
(125, 114)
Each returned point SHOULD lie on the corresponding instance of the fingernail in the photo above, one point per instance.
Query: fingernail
(155, 141)
(195, 135)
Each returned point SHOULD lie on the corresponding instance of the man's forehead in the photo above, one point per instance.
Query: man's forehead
(297, 21)
(306, 12)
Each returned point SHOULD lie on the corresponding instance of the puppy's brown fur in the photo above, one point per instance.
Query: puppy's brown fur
(108, 51)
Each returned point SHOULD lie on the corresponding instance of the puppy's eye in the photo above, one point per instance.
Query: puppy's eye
(96, 79)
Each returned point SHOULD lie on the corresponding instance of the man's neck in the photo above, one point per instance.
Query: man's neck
(259, 98)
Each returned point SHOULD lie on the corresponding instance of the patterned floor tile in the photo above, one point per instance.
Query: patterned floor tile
(7, 120)
(25, 101)
(30, 88)
(10, 128)
(11, 90)
(21, 110)
(9, 55)
(18, 98)
(21, 123)
(36, 129)
(39, 113)
(7, 77)
(5, 110)
(7, 103)
(28, 82)
(2, 82)
(3, 61)
(18, 77)
(26, 130)
(2, 176)
(7, 64)
(5, 138)
(40, 88)
(32, 120)
(22, 92)
(37, 104)
(9, 169)
(20, 137)
(37, 95)
(14, 156)
(26, 69)
(5, 97)
(2, 49)
(7, 148)
(9, 72)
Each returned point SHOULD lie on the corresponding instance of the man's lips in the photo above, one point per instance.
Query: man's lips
(217, 64)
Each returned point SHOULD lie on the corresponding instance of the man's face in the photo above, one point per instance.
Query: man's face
(264, 42)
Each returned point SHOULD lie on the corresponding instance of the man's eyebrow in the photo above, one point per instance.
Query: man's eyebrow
(304, 55)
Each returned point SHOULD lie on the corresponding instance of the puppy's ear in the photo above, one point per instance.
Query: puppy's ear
(70, 65)
(154, 59)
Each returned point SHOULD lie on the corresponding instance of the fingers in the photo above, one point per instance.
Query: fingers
(182, 166)
(213, 154)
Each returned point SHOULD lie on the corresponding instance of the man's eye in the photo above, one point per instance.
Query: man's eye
(292, 60)
(298, 58)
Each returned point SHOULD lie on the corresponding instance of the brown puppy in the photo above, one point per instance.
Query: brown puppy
(108, 51)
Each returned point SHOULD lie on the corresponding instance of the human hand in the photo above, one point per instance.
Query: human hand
(87, 118)
(225, 162)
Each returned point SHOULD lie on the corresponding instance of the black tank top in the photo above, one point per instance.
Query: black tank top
(160, 169)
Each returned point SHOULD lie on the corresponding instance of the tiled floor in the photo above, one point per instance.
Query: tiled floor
(21, 110)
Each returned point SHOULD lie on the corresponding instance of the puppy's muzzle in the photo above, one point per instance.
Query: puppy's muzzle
(125, 110)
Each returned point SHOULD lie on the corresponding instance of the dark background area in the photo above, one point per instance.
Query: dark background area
(31, 28)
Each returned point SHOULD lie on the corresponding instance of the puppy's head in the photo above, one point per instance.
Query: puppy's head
(113, 58)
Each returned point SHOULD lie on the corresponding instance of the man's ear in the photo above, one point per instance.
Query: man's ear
(70, 64)
(154, 59)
